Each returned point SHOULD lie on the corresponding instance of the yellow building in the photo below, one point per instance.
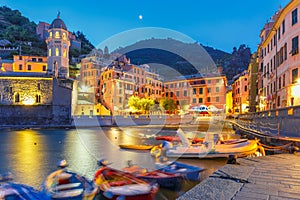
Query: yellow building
(229, 101)
(30, 64)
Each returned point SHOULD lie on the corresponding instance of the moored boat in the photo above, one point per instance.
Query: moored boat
(209, 149)
(136, 147)
(164, 179)
(14, 191)
(63, 184)
(189, 172)
(115, 184)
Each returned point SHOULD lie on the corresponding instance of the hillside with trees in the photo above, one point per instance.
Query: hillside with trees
(18, 31)
(152, 51)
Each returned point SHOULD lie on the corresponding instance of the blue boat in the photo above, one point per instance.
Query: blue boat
(62, 185)
(189, 172)
(10, 190)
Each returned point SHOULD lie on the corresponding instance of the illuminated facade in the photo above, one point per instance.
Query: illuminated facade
(253, 83)
(279, 59)
(240, 94)
(121, 80)
(33, 94)
(89, 73)
(30, 64)
(229, 106)
(196, 90)
(58, 44)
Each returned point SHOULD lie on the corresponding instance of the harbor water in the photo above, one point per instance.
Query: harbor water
(31, 154)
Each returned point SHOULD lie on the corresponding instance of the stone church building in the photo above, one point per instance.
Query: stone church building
(41, 98)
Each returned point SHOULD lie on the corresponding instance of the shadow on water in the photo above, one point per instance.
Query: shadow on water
(32, 154)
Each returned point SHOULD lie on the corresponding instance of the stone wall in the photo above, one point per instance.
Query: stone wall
(284, 122)
(33, 115)
(53, 108)
(27, 88)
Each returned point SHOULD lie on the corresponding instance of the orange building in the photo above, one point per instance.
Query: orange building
(30, 64)
(196, 90)
(240, 93)
(121, 80)
(90, 72)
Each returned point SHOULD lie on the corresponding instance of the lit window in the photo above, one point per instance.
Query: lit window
(56, 34)
(65, 53)
(50, 34)
(49, 52)
(56, 52)
(64, 36)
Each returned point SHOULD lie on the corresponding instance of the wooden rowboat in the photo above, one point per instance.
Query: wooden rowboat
(115, 184)
(136, 147)
(63, 184)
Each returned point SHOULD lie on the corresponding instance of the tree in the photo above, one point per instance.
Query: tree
(146, 104)
(168, 105)
(134, 103)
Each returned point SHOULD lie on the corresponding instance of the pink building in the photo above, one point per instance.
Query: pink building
(279, 59)
(240, 93)
(196, 90)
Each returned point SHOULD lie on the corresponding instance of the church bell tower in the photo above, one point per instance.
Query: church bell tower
(58, 44)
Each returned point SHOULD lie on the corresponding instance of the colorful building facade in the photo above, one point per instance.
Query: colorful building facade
(196, 90)
(279, 59)
(240, 94)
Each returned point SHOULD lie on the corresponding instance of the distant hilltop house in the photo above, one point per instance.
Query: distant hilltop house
(37, 90)
(42, 31)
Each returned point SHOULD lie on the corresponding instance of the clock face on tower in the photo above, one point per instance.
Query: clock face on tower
(65, 46)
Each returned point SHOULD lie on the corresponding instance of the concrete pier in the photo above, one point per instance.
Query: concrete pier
(275, 177)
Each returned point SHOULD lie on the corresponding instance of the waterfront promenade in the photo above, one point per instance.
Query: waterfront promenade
(275, 177)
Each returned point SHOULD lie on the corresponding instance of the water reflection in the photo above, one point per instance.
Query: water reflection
(32, 154)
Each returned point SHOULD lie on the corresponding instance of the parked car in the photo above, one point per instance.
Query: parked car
(203, 109)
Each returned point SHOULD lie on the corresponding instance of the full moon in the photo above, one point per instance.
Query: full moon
(140, 17)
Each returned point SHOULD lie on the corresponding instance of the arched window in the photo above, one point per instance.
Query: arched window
(65, 53)
(64, 36)
(50, 34)
(50, 52)
(17, 98)
(56, 52)
(38, 98)
(56, 34)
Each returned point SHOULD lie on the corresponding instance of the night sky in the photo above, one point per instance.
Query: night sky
(220, 24)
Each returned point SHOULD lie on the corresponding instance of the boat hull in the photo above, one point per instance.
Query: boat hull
(164, 179)
(115, 184)
(189, 172)
(241, 149)
(62, 185)
(136, 147)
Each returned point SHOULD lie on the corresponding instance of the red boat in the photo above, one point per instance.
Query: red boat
(177, 139)
(168, 138)
(115, 184)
